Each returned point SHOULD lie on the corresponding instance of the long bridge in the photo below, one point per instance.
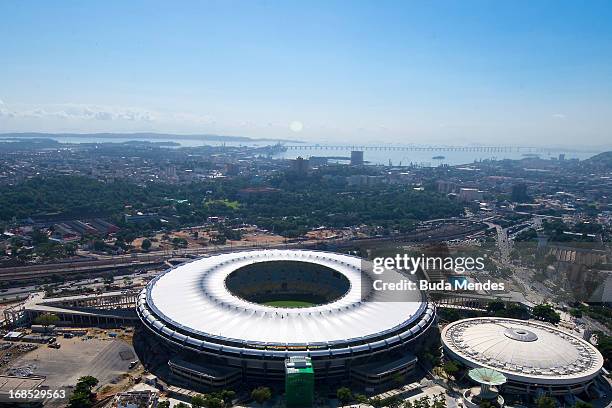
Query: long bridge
(485, 149)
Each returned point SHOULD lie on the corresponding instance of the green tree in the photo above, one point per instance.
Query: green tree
(604, 345)
(82, 397)
(517, 311)
(198, 401)
(146, 244)
(451, 315)
(547, 313)
(87, 381)
(360, 398)
(439, 401)
(545, 402)
(227, 396)
(214, 402)
(163, 404)
(99, 245)
(261, 394)
(582, 404)
(39, 237)
(496, 307)
(219, 239)
(178, 242)
(450, 368)
(376, 402)
(423, 402)
(344, 394)
(70, 249)
(575, 312)
(46, 319)
(392, 402)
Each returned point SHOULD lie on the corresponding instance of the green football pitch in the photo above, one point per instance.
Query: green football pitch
(288, 303)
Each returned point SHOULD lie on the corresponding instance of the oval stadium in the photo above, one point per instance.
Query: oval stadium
(534, 357)
(238, 316)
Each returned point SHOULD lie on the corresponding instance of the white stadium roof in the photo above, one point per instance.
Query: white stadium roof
(525, 351)
(194, 298)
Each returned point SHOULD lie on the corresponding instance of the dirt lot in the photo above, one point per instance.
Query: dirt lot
(106, 359)
(251, 237)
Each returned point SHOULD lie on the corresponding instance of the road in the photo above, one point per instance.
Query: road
(141, 260)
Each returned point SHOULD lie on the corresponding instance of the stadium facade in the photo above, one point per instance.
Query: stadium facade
(535, 357)
(220, 311)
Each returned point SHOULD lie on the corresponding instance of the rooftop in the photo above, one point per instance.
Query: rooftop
(187, 293)
(525, 349)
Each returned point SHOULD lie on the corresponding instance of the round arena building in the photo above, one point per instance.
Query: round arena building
(238, 316)
(533, 356)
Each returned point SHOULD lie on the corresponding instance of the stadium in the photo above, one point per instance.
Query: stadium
(534, 357)
(238, 316)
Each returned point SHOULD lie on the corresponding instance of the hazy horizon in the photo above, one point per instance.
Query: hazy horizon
(520, 73)
(192, 139)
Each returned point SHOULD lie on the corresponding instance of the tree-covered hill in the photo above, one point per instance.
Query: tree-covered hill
(601, 160)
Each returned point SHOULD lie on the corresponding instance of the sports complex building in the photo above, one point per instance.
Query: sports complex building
(534, 357)
(239, 316)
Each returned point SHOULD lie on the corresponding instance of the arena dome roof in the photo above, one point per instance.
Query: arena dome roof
(524, 351)
(194, 299)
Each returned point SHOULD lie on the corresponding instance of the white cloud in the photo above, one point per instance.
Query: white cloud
(79, 112)
(558, 116)
(103, 115)
(6, 113)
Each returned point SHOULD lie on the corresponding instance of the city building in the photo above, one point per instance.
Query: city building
(136, 399)
(232, 169)
(213, 312)
(534, 357)
(138, 218)
(470, 194)
(317, 161)
(300, 166)
(10, 383)
(444, 186)
(356, 158)
(299, 382)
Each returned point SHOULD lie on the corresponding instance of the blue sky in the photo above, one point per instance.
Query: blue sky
(531, 72)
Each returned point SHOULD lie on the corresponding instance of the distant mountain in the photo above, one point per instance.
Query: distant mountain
(144, 135)
(601, 160)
